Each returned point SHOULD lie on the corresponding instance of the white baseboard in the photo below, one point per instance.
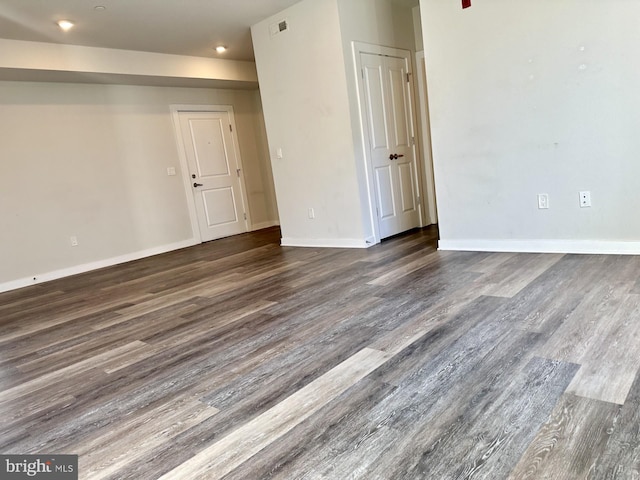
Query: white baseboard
(261, 225)
(67, 272)
(596, 247)
(324, 242)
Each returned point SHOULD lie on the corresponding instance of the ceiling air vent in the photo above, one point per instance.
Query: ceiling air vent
(278, 27)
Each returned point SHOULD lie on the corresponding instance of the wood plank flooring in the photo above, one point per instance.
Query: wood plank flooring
(239, 359)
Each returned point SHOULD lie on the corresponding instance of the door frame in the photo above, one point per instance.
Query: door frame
(358, 49)
(176, 110)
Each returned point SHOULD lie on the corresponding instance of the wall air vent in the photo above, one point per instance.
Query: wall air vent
(278, 27)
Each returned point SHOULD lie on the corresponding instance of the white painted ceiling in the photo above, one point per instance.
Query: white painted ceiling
(181, 27)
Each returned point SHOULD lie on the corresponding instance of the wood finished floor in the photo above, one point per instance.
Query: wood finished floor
(239, 359)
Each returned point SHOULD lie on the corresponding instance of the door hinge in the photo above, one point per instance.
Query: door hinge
(230, 128)
(362, 72)
(377, 212)
(238, 172)
(409, 77)
(245, 216)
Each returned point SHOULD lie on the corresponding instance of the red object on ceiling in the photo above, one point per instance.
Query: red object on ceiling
(466, 3)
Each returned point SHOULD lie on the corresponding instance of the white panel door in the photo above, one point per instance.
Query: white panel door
(391, 147)
(214, 172)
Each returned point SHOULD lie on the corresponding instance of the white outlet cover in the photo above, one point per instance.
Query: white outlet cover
(585, 199)
(543, 201)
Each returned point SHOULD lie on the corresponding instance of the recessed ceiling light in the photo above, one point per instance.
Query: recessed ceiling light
(221, 49)
(65, 25)
(100, 8)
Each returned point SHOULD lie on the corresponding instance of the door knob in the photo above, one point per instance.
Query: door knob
(197, 184)
(395, 156)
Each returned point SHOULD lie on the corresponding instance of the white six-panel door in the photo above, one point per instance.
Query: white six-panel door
(391, 146)
(214, 172)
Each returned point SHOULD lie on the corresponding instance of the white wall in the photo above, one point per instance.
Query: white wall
(306, 106)
(528, 98)
(266, 186)
(308, 84)
(381, 22)
(90, 161)
(417, 28)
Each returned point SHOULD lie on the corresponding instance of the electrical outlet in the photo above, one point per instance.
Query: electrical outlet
(543, 200)
(74, 241)
(585, 199)
(312, 213)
